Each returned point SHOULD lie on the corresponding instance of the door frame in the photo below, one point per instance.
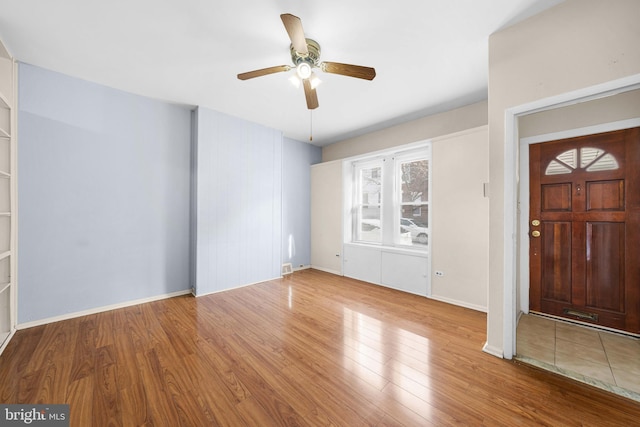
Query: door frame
(516, 192)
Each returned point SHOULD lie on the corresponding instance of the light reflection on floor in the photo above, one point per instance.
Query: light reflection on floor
(366, 346)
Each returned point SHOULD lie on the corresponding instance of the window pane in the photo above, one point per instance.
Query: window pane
(604, 163)
(415, 181)
(369, 230)
(569, 158)
(588, 155)
(555, 168)
(371, 185)
(414, 225)
(414, 210)
(368, 217)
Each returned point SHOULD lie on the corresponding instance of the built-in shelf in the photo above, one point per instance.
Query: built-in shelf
(5, 157)
(7, 197)
(4, 103)
(5, 117)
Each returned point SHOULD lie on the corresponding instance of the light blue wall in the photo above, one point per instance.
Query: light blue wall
(108, 182)
(238, 212)
(103, 197)
(296, 201)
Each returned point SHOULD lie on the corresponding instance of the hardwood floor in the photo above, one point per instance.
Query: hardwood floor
(312, 349)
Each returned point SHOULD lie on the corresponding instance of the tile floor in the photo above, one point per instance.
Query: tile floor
(600, 358)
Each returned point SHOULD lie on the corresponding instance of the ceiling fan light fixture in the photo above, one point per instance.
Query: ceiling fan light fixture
(303, 70)
(305, 56)
(295, 80)
(315, 81)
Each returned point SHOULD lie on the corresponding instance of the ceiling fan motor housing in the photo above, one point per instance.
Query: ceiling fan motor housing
(312, 57)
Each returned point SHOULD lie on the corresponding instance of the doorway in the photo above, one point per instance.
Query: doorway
(571, 115)
(584, 224)
(516, 182)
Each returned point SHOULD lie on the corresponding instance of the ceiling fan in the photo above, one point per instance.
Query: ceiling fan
(305, 54)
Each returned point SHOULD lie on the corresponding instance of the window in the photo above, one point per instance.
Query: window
(391, 199)
(368, 212)
(591, 159)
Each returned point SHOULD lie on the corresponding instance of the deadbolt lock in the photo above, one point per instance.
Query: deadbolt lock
(535, 233)
(535, 222)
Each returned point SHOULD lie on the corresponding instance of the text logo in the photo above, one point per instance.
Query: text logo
(34, 415)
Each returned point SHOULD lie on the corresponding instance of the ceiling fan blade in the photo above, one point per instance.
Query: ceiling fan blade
(293, 25)
(310, 94)
(349, 70)
(263, 72)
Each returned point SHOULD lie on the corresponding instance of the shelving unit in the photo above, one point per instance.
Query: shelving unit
(7, 197)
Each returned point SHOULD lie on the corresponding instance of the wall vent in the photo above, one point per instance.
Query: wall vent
(287, 269)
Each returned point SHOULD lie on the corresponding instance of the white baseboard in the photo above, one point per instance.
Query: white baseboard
(100, 309)
(492, 351)
(237, 287)
(459, 303)
(304, 267)
(326, 270)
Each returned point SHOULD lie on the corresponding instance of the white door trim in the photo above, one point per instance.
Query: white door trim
(512, 161)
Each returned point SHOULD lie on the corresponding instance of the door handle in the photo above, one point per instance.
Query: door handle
(535, 222)
(535, 233)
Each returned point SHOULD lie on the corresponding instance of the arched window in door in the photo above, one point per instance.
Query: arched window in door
(587, 158)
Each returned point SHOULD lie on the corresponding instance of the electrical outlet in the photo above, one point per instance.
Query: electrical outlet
(439, 273)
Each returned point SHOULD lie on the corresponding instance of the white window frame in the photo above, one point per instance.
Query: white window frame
(391, 196)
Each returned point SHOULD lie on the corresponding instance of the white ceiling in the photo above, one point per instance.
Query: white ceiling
(429, 55)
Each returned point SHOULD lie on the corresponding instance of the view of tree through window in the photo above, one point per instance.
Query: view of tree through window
(414, 208)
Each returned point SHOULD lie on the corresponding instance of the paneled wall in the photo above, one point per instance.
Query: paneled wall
(238, 215)
(296, 201)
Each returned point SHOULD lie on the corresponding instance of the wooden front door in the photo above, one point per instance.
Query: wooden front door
(584, 229)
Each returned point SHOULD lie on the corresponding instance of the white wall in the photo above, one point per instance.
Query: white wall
(433, 126)
(459, 232)
(326, 217)
(577, 44)
(623, 106)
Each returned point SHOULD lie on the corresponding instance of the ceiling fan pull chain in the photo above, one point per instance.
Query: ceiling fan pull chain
(310, 125)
